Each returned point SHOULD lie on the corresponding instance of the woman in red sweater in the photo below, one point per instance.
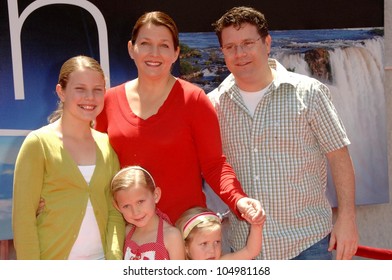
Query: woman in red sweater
(168, 125)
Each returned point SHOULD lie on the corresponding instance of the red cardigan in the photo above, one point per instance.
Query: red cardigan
(177, 145)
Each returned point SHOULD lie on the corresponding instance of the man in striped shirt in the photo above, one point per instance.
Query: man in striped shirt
(279, 130)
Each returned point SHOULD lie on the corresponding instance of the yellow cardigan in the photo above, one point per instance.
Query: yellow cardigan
(45, 169)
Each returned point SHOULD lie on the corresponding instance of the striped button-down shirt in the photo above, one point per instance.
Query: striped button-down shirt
(279, 157)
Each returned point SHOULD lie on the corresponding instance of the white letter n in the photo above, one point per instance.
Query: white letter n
(16, 23)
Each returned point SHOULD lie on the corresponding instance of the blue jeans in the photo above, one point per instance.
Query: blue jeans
(318, 251)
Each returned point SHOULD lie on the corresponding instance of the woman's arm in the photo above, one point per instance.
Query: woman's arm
(216, 170)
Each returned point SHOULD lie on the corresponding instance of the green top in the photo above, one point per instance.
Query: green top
(45, 169)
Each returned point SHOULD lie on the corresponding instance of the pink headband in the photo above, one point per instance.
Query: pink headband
(197, 219)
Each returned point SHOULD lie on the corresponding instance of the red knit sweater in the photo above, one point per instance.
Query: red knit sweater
(177, 145)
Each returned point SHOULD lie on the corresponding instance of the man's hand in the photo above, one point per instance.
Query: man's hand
(251, 210)
(344, 237)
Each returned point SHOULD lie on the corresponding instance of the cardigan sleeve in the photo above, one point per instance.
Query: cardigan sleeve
(28, 181)
(116, 225)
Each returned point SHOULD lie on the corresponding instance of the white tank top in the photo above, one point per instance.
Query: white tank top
(88, 245)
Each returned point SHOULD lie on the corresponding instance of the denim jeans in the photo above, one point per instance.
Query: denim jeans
(318, 251)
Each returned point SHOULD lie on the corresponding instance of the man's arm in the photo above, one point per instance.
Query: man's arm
(344, 234)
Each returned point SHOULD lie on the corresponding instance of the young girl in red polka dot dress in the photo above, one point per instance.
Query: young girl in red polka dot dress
(149, 234)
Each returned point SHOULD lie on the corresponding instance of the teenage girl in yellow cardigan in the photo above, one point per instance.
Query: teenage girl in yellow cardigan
(70, 166)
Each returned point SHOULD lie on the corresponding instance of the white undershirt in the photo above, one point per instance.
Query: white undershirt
(252, 99)
(88, 245)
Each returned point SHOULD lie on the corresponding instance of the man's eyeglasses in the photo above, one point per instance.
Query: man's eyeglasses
(246, 45)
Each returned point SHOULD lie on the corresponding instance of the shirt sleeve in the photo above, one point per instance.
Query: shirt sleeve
(217, 172)
(325, 121)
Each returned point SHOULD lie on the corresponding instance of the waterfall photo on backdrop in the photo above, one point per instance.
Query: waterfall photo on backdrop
(349, 61)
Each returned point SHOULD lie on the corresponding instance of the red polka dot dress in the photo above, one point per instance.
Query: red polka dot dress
(148, 251)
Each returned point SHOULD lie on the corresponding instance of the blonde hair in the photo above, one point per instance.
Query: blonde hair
(211, 223)
(71, 65)
(130, 176)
